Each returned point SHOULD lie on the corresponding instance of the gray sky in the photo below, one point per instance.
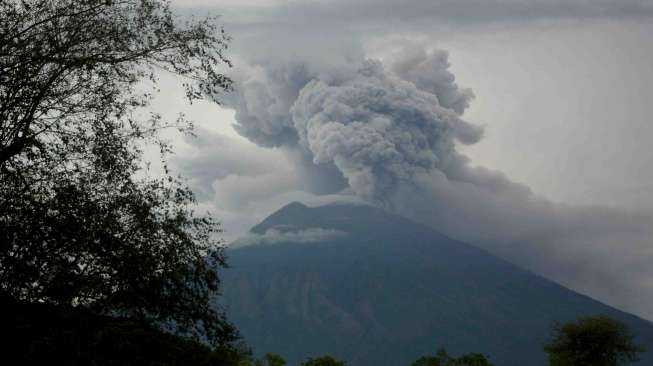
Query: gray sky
(562, 90)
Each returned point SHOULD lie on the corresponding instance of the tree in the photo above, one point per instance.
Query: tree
(273, 359)
(442, 358)
(323, 361)
(68, 65)
(70, 336)
(82, 224)
(270, 359)
(472, 359)
(596, 341)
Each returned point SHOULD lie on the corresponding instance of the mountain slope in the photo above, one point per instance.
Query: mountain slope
(386, 290)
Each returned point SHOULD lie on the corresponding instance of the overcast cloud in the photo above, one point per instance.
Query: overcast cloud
(274, 12)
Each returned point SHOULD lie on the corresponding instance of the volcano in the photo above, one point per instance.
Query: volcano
(373, 288)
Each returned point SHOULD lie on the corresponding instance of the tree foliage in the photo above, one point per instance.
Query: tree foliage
(442, 358)
(81, 223)
(323, 361)
(69, 65)
(596, 341)
(273, 359)
(42, 334)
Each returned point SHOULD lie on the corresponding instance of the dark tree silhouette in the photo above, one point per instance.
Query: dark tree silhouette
(323, 361)
(82, 224)
(273, 359)
(442, 358)
(69, 65)
(596, 341)
(41, 334)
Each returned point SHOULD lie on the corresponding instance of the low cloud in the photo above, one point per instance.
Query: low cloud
(288, 235)
(237, 158)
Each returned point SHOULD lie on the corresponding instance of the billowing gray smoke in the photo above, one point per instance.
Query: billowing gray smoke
(379, 127)
(388, 134)
(430, 72)
(263, 101)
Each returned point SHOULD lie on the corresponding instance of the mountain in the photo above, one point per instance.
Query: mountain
(373, 288)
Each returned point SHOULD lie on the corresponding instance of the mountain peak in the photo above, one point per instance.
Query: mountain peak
(293, 206)
(340, 216)
(389, 290)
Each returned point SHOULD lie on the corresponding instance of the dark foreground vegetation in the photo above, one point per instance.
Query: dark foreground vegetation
(87, 232)
(42, 334)
(597, 341)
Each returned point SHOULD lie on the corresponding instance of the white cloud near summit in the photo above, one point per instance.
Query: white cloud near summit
(288, 235)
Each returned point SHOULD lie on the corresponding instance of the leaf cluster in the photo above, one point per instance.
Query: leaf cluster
(69, 62)
(42, 334)
(597, 340)
(442, 358)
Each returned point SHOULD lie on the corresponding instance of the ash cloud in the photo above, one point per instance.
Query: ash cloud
(376, 127)
(387, 132)
(262, 102)
(430, 72)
